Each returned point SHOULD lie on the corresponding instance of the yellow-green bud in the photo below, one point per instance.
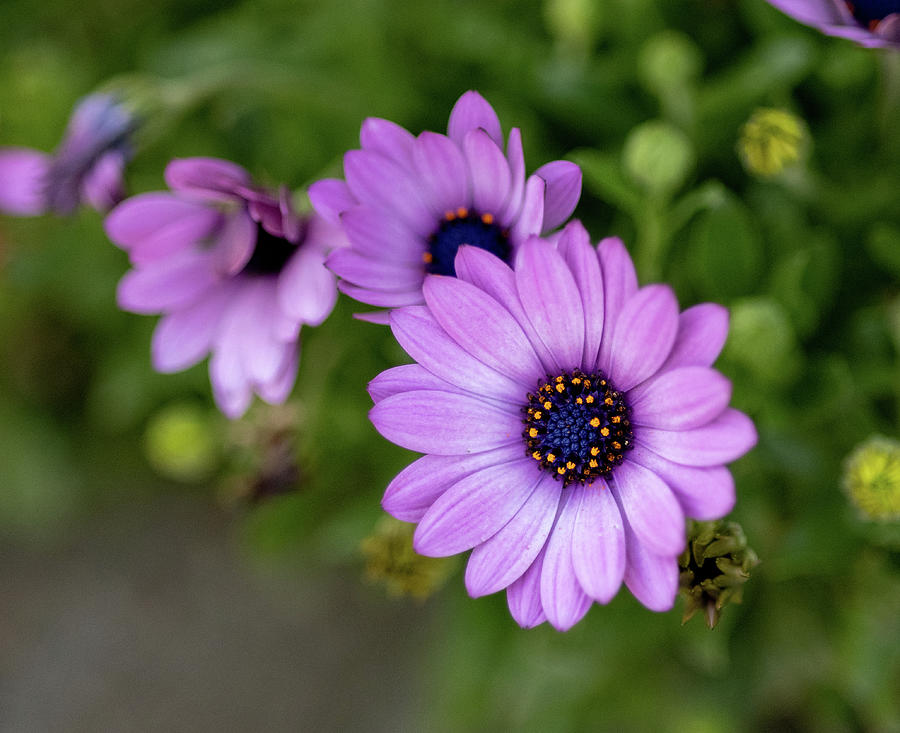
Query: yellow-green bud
(872, 478)
(658, 156)
(771, 140)
(391, 560)
(182, 442)
(668, 61)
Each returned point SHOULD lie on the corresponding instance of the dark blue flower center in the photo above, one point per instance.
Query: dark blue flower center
(577, 426)
(463, 227)
(270, 254)
(870, 12)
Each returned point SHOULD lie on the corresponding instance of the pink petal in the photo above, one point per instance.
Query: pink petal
(619, 284)
(516, 160)
(307, 291)
(652, 579)
(562, 596)
(524, 596)
(474, 509)
(184, 337)
(404, 378)
(210, 178)
(331, 197)
(445, 423)
(417, 486)
(531, 216)
(702, 331)
(377, 235)
(650, 508)
(725, 439)
(442, 168)
(388, 139)
(23, 175)
(598, 542)
(166, 285)
(581, 257)
(489, 172)
(471, 112)
(680, 399)
(502, 559)
(562, 193)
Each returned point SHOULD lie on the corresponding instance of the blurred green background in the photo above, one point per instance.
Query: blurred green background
(162, 569)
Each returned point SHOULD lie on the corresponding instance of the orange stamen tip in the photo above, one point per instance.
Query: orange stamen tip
(462, 212)
(487, 219)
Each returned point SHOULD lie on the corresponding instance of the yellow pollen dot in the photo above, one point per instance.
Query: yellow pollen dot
(487, 219)
(617, 445)
(537, 455)
(615, 419)
(578, 400)
(449, 215)
(610, 457)
(548, 405)
(560, 379)
(570, 465)
(595, 422)
(608, 401)
(537, 415)
(462, 212)
(593, 463)
(576, 380)
(547, 388)
(551, 457)
(427, 258)
(533, 432)
(604, 431)
(587, 383)
(595, 450)
(589, 399)
(561, 470)
(560, 387)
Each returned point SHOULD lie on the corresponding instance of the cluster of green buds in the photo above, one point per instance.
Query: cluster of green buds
(714, 568)
(391, 560)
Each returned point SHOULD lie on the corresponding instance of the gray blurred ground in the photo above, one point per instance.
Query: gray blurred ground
(148, 618)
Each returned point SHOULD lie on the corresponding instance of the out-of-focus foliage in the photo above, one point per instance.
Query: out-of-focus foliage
(649, 96)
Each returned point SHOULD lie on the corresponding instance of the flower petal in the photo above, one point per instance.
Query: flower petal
(474, 509)
(424, 340)
(380, 298)
(580, 256)
(704, 493)
(103, 185)
(380, 274)
(650, 508)
(702, 331)
(235, 243)
(598, 542)
(494, 277)
(23, 174)
(470, 112)
(184, 337)
(482, 327)
(515, 157)
(307, 290)
(331, 197)
(652, 579)
(171, 283)
(550, 297)
(442, 168)
(148, 216)
(563, 190)
(381, 183)
(524, 596)
(531, 216)
(562, 596)
(262, 353)
(489, 171)
(277, 389)
(619, 284)
(445, 423)
(417, 486)
(642, 336)
(725, 439)
(388, 139)
(377, 235)
(680, 399)
(502, 559)
(404, 378)
(210, 178)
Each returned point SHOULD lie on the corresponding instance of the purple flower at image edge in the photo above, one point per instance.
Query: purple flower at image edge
(871, 23)
(234, 271)
(408, 202)
(570, 421)
(88, 167)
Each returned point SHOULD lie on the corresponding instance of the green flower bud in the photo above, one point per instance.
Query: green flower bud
(182, 442)
(668, 60)
(770, 141)
(714, 568)
(872, 478)
(658, 156)
(391, 560)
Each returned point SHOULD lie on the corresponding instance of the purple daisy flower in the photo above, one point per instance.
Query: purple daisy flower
(235, 273)
(571, 421)
(87, 167)
(868, 22)
(409, 202)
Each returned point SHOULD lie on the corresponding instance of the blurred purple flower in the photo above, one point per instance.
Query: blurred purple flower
(409, 202)
(235, 273)
(868, 22)
(88, 166)
(570, 420)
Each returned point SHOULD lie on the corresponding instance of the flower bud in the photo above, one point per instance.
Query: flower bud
(770, 141)
(872, 478)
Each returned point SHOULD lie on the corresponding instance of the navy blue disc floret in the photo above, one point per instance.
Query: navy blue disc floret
(464, 227)
(577, 426)
(870, 12)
